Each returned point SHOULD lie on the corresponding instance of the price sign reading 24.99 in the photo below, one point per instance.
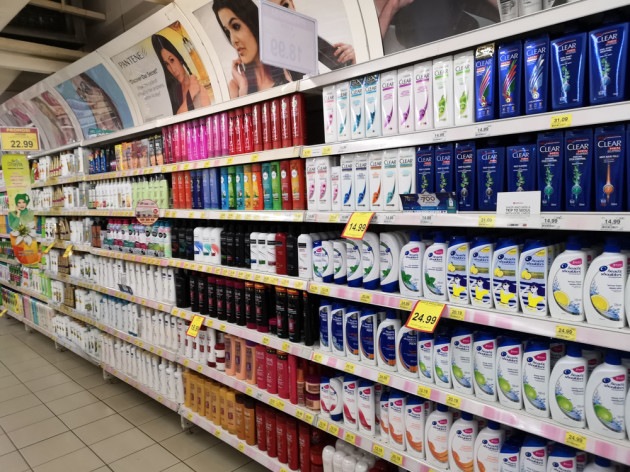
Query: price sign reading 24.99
(425, 316)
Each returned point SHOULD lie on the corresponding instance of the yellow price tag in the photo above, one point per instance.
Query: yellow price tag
(308, 417)
(308, 152)
(272, 402)
(222, 216)
(334, 218)
(383, 378)
(273, 280)
(3, 312)
(424, 392)
(19, 139)
(265, 340)
(279, 405)
(351, 438)
(217, 433)
(286, 346)
(284, 282)
(222, 327)
(191, 214)
(357, 225)
(561, 121)
(249, 391)
(241, 447)
(366, 298)
(257, 278)
(186, 362)
(405, 305)
(299, 414)
(313, 288)
(396, 458)
(457, 314)
(248, 276)
(378, 450)
(299, 285)
(566, 332)
(282, 469)
(486, 221)
(327, 151)
(324, 291)
(321, 424)
(454, 401)
(159, 398)
(210, 323)
(333, 429)
(68, 251)
(349, 367)
(199, 368)
(47, 250)
(190, 415)
(240, 274)
(575, 440)
(254, 158)
(425, 316)
(317, 357)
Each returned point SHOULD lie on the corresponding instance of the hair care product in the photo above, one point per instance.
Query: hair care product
(389, 103)
(443, 98)
(438, 428)
(462, 360)
(487, 447)
(461, 442)
(568, 61)
(405, 100)
(386, 342)
(510, 78)
(504, 272)
(608, 55)
(532, 283)
(464, 87)
(434, 269)
(567, 386)
(610, 153)
(485, 82)
(578, 148)
(423, 91)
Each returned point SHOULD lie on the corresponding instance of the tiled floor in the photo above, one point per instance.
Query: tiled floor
(58, 415)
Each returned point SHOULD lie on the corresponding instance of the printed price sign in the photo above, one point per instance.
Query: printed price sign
(425, 316)
(424, 391)
(396, 458)
(561, 121)
(486, 221)
(378, 450)
(195, 325)
(575, 440)
(287, 39)
(457, 314)
(454, 401)
(357, 225)
(19, 139)
(566, 332)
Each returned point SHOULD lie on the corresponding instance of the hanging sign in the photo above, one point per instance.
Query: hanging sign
(19, 139)
(147, 212)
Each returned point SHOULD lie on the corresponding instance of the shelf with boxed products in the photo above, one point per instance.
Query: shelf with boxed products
(252, 451)
(59, 181)
(143, 388)
(48, 152)
(592, 221)
(586, 116)
(543, 326)
(617, 450)
(505, 29)
(379, 449)
(26, 291)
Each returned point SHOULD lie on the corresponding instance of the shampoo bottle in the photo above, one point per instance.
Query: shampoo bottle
(389, 103)
(610, 153)
(389, 253)
(410, 265)
(532, 283)
(464, 88)
(457, 270)
(434, 269)
(487, 447)
(485, 366)
(465, 176)
(485, 82)
(438, 429)
(415, 422)
(386, 336)
(461, 443)
(367, 330)
(425, 356)
(479, 272)
(423, 91)
(443, 92)
(407, 352)
(370, 261)
(510, 373)
(568, 61)
(536, 372)
(567, 388)
(550, 166)
(566, 278)
(505, 276)
(537, 75)
(462, 360)
(608, 55)
(442, 356)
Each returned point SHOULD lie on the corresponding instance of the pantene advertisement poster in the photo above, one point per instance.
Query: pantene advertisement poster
(166, 74)
(21, 218)
(97, 102)
(232, 28)
(406, 24)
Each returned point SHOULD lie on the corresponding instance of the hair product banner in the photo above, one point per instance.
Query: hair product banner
(166, 74)
(97, 101)
(21, 217)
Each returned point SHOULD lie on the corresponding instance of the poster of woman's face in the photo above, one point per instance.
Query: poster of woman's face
(406, 24)
(232, 27)
(53, 120)
(97, 102)
(166, 74)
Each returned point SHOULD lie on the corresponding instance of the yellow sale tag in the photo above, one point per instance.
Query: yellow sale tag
(351, 438)
(195, 325)
(279, 405)
(249, 391)
(286, 346)
(424, 392)
(396, 458)
(241, 447)
(454, 401)
(378, 450)
(257, 278)
(299, 414)
(308, 417)
(566, 332)
(313, 288)
(272, 402)
(457, 314)
(349, 367)
(357, 225)
(217, 433)
(366, 298)
(19, 139)
(383, 378)
(308, 152)
(254, 158)
(425, 316)
(222, 327)
(317, 357)
(265, 340)
(199, 368)
(333, 429)
(284, 282)
(3, 312)
(405, 305)
(327, 150)
(47, 250)
(321, 424)
(575, 440)
(561, 121)
(299, 285)
(486, 221)
(324, 291)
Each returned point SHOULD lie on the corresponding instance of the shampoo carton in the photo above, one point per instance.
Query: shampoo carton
(550, 169)
(330, 114)
(357, 108)
(425, 159)
(376, 180)
(568, 61)
(348, 199)
(423, 92)
(510, 79)
(443, 92)
(610, 152)
(362, 181)
(372, 91)
(444, 168)
(389, 180)
(405, 100)
(464, 88)
(485, 82)
(521, 168)
(389, 103)
(465, 177)
(578, 158)
(342, 94)
(537, 75)
(490, 176)
(608, 55)
(406, 172)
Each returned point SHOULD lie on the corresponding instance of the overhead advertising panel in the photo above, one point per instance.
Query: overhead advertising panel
(232, 29)
(166, 73)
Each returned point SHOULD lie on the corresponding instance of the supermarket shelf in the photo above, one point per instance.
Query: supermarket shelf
(26, 291)
(59, 181)
(119, 136)
(238, 215)
(60, 243)
(143, 388)
(6, 260)
(612, 449)
(496, 32)
(542, 326)
(401, 458)
(586, 221)
(587, 116)
(160, 261)
(252, 451)
(48, 152)
(114, 293)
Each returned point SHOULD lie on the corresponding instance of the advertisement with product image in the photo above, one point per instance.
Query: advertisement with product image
(406, 24)
(233, 29)
(52, 119)
(97, 102)
(166, 74)
(21, 218)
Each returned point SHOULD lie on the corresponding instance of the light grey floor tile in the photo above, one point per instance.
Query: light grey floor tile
(102, 429)
(37, 373)
(35, 363)
(152, 459)
(163, 427)
(9, 381)
(185, 445)
(121, 445)
(18, 404)
(82, 460)
(110, 389)
(37, 432)
(86, 414)
(6, 445)
(13, 462)
(25, 418)
(145, 412)
(181, 467)
(59, 391)
(13, 392)
(83, 371)
(91, 381)
(57, 446)
(253, 466)
(46, 382)
(223, 457)
(71, 402)
(124, 401)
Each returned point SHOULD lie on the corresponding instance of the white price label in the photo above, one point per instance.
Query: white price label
(439, 136)
(483, 130)
(612, 223)
(426, 220)
(287, 39)
(552, 222)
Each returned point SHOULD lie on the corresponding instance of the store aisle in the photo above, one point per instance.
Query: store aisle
(57, 414)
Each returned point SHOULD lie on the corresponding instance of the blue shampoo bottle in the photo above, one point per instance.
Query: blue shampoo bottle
(510, 79)
(521, 168)
(465, 177)
(610, 154)
(425, 169)
(444, 168)
(578, 169)
(568, 61)
(537, 75)
(550, 147)
(490, 176)
(485, 82)
(608, 55)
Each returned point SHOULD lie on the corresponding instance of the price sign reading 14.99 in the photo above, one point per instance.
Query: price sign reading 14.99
(357, 225)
